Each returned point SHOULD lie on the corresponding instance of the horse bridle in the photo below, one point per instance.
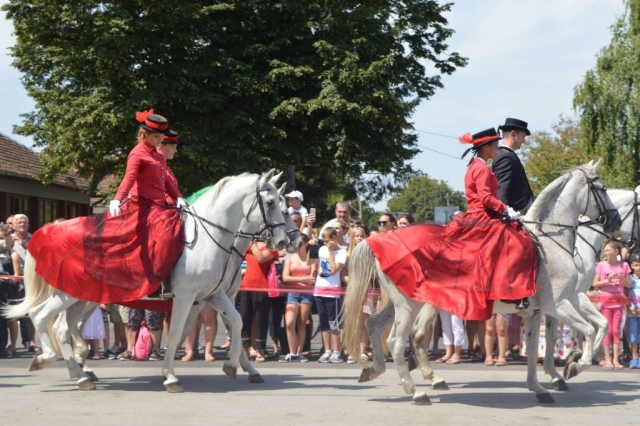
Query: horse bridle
(632, 242)
(601, 220)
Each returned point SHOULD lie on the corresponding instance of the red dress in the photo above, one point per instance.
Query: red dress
(463, 267)
(117, 259)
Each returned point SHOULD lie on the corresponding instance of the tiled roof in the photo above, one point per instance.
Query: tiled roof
(20, 161)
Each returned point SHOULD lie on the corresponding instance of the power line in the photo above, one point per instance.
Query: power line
(435, 134)
(439, 152)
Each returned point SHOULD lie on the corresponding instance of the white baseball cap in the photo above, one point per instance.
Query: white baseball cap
(295, 194)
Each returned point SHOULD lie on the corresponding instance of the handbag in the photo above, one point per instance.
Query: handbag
(272, 281)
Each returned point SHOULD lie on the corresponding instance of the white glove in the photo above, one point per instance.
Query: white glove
(513, 215)
(114, 207)
(180, 202)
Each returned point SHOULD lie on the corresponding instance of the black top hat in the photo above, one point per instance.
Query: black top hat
(152, 122)
(479, 139)
(514, 124)
(170, 137)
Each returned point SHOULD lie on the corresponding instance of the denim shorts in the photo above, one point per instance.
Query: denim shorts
(633, 329)
(329, 313)
(299, 299)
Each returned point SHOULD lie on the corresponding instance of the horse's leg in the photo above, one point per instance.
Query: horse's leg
(406, 312)
(418, 336)
(597, 320)
(375, 325)
(40, 316)
(549, 366)
(81, 348)
(532, 331)
(65, 323)
(182, 309)
(569, 316)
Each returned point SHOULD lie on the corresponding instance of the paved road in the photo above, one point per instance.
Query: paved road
(311, 393)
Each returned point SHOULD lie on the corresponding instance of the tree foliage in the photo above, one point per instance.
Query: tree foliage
(325, 88)
(608, 100)
(422, 194)
(547, 156)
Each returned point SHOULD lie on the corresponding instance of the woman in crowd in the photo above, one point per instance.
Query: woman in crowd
(255, 304)
(341, 228)
(612, 277)
(387, 222)
(405, 220)
(300, 271)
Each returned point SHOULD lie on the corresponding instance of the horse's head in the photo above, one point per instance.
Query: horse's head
(595, 202)
(265, 213)
(294, 234)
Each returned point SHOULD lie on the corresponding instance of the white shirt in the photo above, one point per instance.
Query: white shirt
(325, 279)
(302, 211)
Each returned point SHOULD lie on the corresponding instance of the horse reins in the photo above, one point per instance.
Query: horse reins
(602, 218)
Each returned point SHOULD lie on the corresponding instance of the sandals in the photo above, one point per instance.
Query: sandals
(260, 358)
(453, 360)
(442, 360)
(489, 362)
(501, 363)
(618, 366)
(607, 366)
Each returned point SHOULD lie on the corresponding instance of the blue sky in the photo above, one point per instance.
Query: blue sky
(525, 59)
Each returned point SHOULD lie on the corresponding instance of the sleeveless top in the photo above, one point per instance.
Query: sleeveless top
(300, 271)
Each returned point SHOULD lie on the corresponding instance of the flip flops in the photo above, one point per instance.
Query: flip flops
(501, 363)
(489, 362)
(607, 366)
(618, 366)
(453, 360)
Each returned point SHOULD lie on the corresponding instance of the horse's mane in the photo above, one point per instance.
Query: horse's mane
(539, 206)
(210, 197)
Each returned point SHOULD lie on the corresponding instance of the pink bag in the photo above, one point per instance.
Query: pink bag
(142, 347)
(272, 281)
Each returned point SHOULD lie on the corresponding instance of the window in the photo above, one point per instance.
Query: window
(48, 210)
(19, 204)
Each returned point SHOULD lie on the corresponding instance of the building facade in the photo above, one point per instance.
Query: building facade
(20, 192)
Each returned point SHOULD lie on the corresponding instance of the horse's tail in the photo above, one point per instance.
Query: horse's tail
(35, 289)
(362, 272)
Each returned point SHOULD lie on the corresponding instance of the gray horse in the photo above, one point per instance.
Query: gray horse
(553, 219)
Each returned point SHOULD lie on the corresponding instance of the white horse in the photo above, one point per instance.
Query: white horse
(555, 218)
(241, 207)
(70, 322)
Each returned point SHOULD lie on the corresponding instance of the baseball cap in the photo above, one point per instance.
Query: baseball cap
(295, 194)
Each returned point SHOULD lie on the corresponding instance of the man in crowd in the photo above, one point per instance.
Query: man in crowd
(343, 212)
(21, 237)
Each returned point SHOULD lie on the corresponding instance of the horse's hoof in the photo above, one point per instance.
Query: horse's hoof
(367, 375)
(92, 376)
(256, 378)
(442, 385)
(421, 399)
(36, 364)
(571, 370)
(412, 362)
(560, 385)
(574, 356)
(229, 370)
(86, 384)
(174, 387)
(545, 398)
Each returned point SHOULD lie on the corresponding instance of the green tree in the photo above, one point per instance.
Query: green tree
(608, 100)
(547, 156)
(324, 88)
(422, 194)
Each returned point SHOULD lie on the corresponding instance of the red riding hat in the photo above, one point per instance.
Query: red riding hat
(152, 122)
(478, 139)
(170, 137)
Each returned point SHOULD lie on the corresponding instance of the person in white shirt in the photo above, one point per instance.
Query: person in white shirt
(343, 212)
(295, 206)
(331, 259)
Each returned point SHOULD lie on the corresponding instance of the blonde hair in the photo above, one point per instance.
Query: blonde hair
(352, 238)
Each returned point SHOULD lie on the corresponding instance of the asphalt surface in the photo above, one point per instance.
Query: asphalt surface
(310, 393)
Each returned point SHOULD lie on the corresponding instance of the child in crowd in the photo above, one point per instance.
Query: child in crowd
(611, 276)
(331, 259)
(633, 317)
(295, 206)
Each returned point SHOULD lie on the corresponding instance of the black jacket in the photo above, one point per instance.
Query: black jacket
(513, 185)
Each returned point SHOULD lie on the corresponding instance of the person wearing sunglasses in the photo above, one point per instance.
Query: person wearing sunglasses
(387, 222)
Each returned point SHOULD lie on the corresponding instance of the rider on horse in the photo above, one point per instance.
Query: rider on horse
(480, 257)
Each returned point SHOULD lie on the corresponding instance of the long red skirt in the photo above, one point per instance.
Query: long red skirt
(107, 259)
(461, 268)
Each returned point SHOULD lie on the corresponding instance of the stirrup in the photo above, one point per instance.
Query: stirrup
(523, 303)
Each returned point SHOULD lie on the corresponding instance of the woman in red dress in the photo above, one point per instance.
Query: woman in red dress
(125, 254)
(480, 257)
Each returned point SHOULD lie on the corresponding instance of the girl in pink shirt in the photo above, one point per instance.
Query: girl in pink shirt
(612, 276)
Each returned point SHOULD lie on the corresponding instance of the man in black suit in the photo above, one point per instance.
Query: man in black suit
(513, 185)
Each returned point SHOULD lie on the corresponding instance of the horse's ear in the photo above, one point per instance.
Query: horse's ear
(276, 178)
(266, 178)
(637, 189)
(589, 164)
(596, 165)
(282, 189)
